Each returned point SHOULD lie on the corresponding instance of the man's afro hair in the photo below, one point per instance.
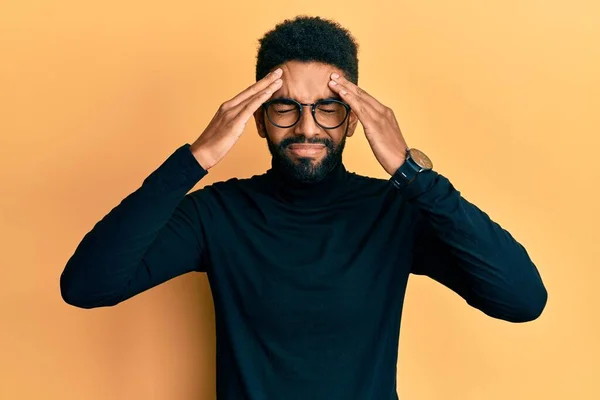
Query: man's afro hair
(308, 39)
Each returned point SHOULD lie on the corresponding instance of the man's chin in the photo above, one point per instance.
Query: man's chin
(311, 168)
(309, 171)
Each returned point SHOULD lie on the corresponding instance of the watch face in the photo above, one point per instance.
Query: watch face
(421, 159)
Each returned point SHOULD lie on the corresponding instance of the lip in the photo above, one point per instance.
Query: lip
(306, 150)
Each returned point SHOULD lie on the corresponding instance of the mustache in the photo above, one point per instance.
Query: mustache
(301, 139)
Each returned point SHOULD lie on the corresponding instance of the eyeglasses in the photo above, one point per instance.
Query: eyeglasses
(327, 113)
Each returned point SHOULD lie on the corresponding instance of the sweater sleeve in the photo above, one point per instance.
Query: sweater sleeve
(458, 245)
(151, 236)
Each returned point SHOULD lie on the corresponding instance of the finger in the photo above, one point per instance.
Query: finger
(257, 87)
(246, 108)
(357, 91)
(363, 110)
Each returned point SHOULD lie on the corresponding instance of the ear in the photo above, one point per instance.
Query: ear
(352, 124)
(259, 118)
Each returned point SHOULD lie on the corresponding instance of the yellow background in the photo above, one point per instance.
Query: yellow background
(504, 96)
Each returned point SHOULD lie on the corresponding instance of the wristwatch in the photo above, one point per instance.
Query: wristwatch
(415, 162)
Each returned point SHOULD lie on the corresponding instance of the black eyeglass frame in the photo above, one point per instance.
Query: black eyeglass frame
(313, 107)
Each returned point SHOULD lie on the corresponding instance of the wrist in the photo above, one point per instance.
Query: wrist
(200, 156)
(398, 163)
(401, 162)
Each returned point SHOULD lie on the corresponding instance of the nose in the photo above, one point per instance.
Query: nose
(307, 125)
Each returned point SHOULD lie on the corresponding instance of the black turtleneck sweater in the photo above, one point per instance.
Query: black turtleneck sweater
(308, 281)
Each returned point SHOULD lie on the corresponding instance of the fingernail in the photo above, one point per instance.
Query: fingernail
(332, 83)
(335, 76)
(277, 71)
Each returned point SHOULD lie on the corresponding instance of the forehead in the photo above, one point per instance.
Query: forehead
(306, 81)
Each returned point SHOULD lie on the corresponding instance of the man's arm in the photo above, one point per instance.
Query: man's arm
(153, 235)
(459, 246)
(156, 233)
(457, 243)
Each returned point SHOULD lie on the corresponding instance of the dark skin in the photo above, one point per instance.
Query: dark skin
(308, 82)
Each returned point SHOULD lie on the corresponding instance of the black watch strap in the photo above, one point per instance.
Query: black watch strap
(404, 175)
(407, 172)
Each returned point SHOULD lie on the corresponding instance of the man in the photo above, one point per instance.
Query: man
(308, 263)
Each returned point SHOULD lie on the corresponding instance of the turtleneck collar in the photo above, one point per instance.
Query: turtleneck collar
(300, 194)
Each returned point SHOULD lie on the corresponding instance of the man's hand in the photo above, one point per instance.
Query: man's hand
(231, 118)
(379, 122)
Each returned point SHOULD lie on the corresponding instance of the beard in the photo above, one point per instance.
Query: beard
(305, 169)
